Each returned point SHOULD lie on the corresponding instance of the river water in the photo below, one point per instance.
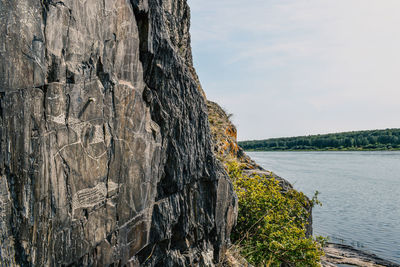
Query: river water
(360, 192)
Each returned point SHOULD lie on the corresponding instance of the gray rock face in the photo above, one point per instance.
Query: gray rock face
(106, 155)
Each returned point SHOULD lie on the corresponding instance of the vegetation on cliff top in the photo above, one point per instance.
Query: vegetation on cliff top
(360, 140)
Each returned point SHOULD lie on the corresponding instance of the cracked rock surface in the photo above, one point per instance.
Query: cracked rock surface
(106, 155)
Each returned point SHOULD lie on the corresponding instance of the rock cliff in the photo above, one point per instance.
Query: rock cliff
(224, 135)
(106, 155)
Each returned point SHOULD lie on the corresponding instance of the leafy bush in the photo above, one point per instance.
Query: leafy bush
(271, 224)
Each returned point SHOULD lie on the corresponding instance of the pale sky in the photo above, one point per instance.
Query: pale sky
(300, 67)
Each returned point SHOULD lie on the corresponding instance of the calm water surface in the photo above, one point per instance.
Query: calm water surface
(360, 192)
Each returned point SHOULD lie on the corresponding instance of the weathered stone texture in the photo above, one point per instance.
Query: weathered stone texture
(106, 155)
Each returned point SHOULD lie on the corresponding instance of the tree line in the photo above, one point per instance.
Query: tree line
(359, 140)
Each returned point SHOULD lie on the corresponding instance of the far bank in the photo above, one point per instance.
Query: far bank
(371, 140)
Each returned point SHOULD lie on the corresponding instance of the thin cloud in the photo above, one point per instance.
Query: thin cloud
(317, 58)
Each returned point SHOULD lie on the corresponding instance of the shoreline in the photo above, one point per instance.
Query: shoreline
(346, 255)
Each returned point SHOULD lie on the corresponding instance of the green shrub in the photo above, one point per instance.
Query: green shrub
(271, 224)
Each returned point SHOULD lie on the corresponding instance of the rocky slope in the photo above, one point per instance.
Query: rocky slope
(224, 134)
(106, 156)
(226, 148)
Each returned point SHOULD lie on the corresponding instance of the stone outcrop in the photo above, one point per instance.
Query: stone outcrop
(226, 146)
(348, 256)
(106, 156)
(224, 134)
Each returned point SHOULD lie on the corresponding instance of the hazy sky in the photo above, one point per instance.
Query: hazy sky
(299, 67)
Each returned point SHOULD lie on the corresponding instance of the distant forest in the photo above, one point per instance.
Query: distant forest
(360, 140)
